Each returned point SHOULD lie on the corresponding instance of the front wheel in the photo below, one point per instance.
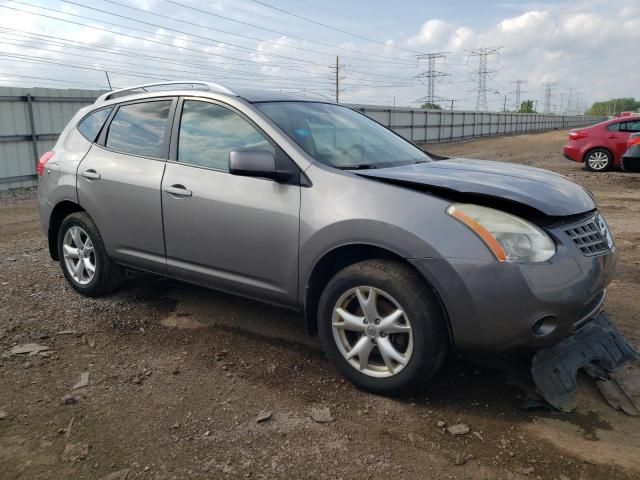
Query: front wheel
(382, 327)
(599, 160)
(83, 257)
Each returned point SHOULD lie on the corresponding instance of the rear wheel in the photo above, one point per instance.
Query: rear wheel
(83, 257)
(599, 160)
(382, 326)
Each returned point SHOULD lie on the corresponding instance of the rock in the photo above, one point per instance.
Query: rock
(119, 475)
(30, 348)
(263, 417)
(69, 400)
(528, 470)
(175, 426)
(176, 370)
(75, 451)
(441, 424)
(480, 437)
(84, 381)
(321, 415)
(67, 332)
(459, 429)
(3, 415)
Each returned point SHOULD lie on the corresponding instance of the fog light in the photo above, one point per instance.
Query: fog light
(544, 326)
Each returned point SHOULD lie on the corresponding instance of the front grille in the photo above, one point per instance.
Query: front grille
(591, 237)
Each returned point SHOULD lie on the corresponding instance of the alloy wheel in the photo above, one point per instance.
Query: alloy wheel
(598, 160)
(79, 255)
(372, 331)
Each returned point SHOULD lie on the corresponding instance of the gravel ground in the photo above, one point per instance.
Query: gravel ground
(185, 382)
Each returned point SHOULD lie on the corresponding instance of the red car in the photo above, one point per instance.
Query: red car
(601, 146)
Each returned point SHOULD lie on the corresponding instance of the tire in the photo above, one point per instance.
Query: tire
(77, 228)
(598, 160)
(394, 285)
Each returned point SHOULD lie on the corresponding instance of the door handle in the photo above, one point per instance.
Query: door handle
(178, 190)
(91, 174)
(612, 136)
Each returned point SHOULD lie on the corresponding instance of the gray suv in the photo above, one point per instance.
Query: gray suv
(395, 256)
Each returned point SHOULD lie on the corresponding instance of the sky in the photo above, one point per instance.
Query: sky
(567, 54)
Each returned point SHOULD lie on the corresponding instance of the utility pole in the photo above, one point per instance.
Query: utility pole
(108, 81)
(518, 93)
(431, 75)
(483, 54)
(547, 96)
(504, 106)
(337, 79)
(452, 102)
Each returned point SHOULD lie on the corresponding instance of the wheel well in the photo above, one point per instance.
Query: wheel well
(334, 261)
(586, 155)
(59, 213)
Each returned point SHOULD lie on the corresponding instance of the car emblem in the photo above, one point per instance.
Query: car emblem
(604, 230)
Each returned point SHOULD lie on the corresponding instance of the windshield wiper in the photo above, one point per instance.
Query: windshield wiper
(362, 166)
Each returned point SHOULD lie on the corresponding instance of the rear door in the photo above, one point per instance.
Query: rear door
(119, 182)
(226, 231)
(618, 134)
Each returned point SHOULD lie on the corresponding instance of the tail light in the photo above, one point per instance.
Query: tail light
(633, 140)
(43, 161)
(578, 134)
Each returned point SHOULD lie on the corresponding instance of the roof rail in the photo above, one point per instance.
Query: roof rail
(196, 85)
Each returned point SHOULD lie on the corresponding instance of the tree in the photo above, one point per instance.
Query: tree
(527, 107)
(431, 106)
(613, 106)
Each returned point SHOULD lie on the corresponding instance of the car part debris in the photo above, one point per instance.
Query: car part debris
(554, 369)
(612, 390)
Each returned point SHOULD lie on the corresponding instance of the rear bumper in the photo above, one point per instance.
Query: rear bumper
(572, 153)
(631, 159)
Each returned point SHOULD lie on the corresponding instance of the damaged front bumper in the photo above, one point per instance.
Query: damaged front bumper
(598, 343)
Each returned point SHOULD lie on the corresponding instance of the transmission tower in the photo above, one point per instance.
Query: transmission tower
(518, 93)
(547, 97)
(569, 108)
(483, 54)
(431, 75)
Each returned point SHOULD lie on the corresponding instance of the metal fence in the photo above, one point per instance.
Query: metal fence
(31, 120)
(434, 126)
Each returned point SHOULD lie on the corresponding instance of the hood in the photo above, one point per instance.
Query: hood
(548, 192)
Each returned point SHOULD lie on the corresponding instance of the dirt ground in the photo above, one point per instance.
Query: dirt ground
(180, 375)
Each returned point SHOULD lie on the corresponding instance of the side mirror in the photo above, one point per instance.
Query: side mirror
(253, 163)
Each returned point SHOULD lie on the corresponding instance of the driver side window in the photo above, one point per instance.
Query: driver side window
(209, 132)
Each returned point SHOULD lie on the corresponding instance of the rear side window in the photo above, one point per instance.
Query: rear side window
(91, 125)
(209, 132)
(140, 128)
(614, 127)
(630, 126)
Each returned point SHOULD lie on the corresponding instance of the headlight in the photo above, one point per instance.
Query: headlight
(510, 238)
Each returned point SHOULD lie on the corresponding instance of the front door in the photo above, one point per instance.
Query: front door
(119, 183)
(226, 231)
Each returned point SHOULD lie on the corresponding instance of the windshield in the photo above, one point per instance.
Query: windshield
(339, 137)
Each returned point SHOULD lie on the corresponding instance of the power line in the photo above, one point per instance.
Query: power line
(281, 10)
(207, 12)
